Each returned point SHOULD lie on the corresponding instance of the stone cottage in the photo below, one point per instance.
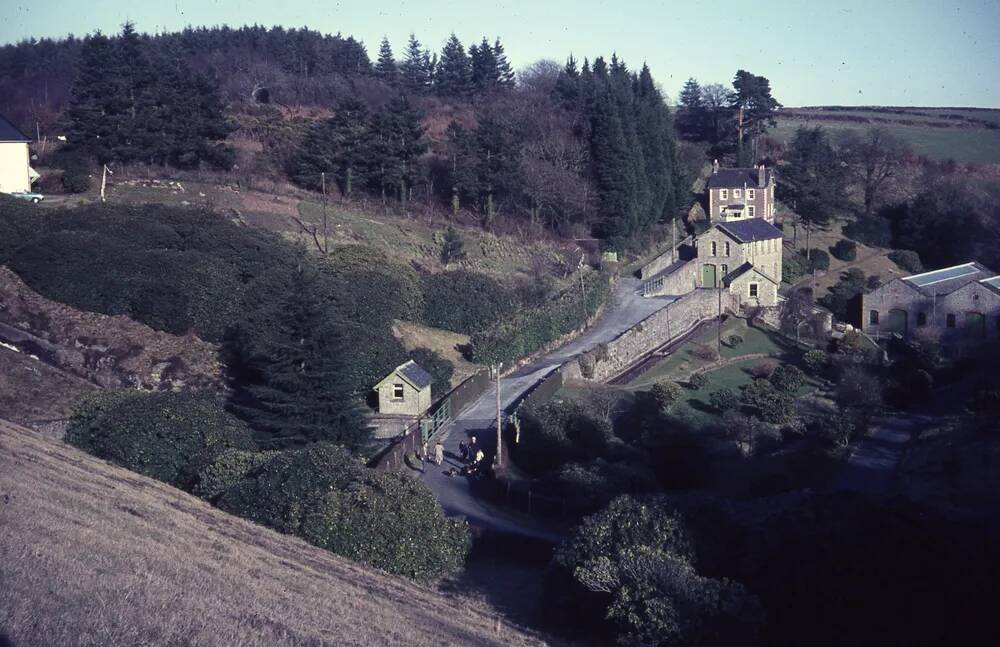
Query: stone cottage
(740, 193)
(405, 392)
(743, 255)
(953, 304)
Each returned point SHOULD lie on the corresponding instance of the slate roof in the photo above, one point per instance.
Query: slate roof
(743, 269)
(412, 374)
(745, 231)
(735, 178)
(9, 132)
(948, 279)
(415, 375)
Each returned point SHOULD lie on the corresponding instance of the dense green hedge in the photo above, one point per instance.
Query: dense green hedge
(465, 302)
(324, 495)
(522, 333)
(167, 436)
(177, 270)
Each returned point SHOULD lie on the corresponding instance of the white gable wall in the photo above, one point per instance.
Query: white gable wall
(14, 167)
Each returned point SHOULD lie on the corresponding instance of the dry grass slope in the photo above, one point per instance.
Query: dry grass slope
(94, 555)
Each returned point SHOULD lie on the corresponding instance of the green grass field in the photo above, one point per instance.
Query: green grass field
(964, 145)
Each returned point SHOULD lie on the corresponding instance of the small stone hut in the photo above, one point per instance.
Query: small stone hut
(406, 391)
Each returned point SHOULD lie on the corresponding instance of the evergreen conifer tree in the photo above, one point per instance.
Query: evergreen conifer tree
(485, 75)
(415, 72)
(303, 394)
(385, 68)
(453, 71)
(504, 72)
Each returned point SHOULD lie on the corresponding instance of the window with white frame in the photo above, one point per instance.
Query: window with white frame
(725, 269)
(753, 290)
(737, 193)
(727, 248)
(751, 194)
(750, 211)
(714, 248)
(397, 391)
(723, 194)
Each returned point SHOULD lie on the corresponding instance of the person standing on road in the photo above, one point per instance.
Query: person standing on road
(438, 453)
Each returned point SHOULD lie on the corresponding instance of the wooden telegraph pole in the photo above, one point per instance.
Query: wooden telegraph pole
(499, 459)
(104, 182)
(326, 241)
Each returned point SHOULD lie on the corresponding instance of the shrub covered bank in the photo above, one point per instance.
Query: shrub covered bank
(321, 493)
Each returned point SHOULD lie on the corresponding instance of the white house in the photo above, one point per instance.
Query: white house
(15, 173)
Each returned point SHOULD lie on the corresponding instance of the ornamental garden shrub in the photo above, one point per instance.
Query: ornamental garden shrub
(725, 399)
(169, 436)
(734, 340)
(818, 260)
(845, 250)
(907, 260)
(815, 361)
(698, 381)
(787, 378)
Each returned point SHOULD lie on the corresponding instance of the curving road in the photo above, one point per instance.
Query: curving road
(625, 309)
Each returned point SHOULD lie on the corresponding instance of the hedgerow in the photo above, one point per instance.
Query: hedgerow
(521, 333)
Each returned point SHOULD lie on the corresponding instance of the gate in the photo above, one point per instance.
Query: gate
(431, 424)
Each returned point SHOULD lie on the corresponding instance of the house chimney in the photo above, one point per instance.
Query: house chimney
(715, 167)
(761, 175)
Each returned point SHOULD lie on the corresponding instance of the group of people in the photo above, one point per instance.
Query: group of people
(473, 458)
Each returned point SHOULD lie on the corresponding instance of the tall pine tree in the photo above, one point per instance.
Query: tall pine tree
(453, 72)
(415, 71)
(505, 73)
(385, 68)
(302, 393)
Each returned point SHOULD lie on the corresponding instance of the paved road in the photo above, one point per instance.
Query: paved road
(625, 309)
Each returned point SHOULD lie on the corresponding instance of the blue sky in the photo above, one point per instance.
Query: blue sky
(851, 52)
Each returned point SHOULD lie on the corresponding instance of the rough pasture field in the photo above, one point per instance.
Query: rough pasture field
(967, 136)
(91, 554)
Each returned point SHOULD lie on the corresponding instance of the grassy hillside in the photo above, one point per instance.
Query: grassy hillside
(965, 135)
(95, 555)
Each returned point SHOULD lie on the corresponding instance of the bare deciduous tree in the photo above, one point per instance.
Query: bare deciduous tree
(874, 158)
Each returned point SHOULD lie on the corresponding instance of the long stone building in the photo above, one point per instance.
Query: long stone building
(953, 304)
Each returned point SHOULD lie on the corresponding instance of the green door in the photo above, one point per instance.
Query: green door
(708, 275)
(897, 321)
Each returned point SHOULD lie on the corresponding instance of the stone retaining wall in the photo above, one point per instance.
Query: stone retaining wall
(656, 330)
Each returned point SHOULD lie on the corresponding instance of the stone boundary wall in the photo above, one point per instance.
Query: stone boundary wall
(654, 331)
(663, 261)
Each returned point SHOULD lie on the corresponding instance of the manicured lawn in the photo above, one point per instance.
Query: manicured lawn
(680, 364)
